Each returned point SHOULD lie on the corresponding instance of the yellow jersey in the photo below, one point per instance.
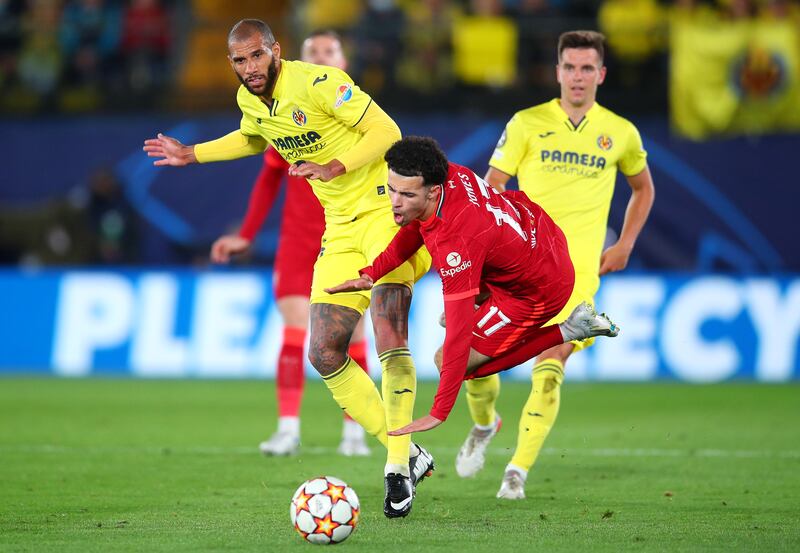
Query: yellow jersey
(570, 170)
(314, 117)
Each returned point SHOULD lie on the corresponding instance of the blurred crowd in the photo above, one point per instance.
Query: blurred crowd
(493, 56)
(83, 55)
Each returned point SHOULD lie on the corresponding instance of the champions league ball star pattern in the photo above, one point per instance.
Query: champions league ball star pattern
(324, 510)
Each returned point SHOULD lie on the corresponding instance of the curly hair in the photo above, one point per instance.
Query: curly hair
(418, 156)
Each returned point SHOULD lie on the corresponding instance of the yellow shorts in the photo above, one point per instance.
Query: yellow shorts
(348, 247)
(586, 285)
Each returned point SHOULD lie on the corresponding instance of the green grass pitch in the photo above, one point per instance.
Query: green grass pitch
(131, 465)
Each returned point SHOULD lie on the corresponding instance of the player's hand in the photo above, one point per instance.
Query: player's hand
(170, 150)
(226, 246)
(353, 285)
(614, 259)
(420, 425)
(314, 171)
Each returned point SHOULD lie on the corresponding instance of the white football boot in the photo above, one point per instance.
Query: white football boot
(584, 322)
(472, 455)
(513, 486)
(280, 443)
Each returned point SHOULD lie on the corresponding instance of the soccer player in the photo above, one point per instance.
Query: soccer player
(301, 231)
(335, 136)
(500, 250)
(565, 154)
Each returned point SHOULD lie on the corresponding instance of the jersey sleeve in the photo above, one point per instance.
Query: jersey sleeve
(233, 145)
(262, 196)
(511, 148)
(336, 94)
(634, 158)
(458, 336)
(404, 244)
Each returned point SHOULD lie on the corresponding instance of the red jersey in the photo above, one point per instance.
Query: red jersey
(481, 240)
(301, 207)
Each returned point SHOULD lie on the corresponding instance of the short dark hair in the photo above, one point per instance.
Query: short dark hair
(246, 28)
(330, 33)
(582, 39)
(418, 156)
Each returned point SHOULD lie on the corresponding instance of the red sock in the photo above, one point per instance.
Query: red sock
(546, 338)
(358, 353)
(290, 377)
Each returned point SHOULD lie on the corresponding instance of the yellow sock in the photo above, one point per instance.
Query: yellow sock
(481, 398)
(539, 413)
(355, 392)
(399, 386)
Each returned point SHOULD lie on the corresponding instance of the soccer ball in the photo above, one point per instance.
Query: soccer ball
(324, 510)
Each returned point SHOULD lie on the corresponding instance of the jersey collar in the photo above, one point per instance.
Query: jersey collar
(562, 115)
(430, 221)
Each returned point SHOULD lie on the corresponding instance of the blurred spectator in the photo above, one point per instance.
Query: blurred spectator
(485, 46)
(10, 38)
(40, 62)
(426, 66)
(636, 34)
(540, 22)
(90, 35)
(378, 39)
(328, 14)
(109, 217)
(95, 224)
(145, 44)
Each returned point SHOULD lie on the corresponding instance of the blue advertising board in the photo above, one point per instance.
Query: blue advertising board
(224, 324)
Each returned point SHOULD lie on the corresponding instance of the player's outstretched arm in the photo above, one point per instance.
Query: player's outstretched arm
(353, 285)
(225, 246)
(170, 150)
(615, 257)
(428, 422)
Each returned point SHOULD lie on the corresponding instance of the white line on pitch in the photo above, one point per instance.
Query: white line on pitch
(316, 450)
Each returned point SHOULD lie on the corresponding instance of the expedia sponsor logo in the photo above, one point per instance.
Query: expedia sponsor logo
(296, 141)
(455, 269)
(574, 158)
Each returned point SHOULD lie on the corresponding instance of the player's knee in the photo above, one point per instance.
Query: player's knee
(326, 360)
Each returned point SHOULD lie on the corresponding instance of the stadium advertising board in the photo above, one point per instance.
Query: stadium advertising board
(223, 324)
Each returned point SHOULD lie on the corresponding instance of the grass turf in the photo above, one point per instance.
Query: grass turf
(132, 465)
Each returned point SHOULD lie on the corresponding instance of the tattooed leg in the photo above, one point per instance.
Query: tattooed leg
(331, 329)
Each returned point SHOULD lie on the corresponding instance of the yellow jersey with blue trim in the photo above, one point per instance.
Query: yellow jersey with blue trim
(570, 169)
(314, 117)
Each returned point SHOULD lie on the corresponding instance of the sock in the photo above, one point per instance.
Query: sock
(358, 353)
(352, 431)
(511, 467)
(539, 413)
(399, 387)
(289, 425)
(357, 395)
(290, 378)
(481, 398)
